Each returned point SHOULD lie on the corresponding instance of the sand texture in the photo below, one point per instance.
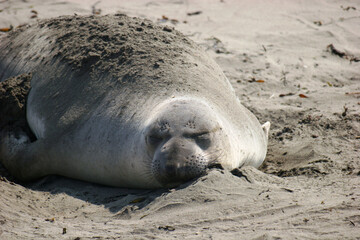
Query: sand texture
(293, 63)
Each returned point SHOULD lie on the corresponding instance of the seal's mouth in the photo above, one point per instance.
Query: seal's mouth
(215, 165)
(174, 172)
(170, 182)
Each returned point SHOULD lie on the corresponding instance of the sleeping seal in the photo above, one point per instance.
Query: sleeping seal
(124, 102)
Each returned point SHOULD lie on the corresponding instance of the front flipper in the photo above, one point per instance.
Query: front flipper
(21, 157)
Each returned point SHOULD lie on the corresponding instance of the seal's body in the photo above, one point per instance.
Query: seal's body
(123, 102)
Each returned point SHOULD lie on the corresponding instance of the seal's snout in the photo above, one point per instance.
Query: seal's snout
(177, 162)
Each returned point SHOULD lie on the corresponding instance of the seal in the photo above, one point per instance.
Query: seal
(124, 102)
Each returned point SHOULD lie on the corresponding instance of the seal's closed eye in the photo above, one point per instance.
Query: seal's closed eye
(204, 134)
(154, 139)
(202, 139)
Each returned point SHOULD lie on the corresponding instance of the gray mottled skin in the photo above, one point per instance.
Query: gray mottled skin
(103, 91)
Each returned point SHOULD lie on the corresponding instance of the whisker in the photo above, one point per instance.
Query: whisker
(215, 156)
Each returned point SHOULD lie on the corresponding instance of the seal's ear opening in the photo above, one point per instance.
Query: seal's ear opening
(266, 128)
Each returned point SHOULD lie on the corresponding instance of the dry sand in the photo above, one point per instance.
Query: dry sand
(277, 58)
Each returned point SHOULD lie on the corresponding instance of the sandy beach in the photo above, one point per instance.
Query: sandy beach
(293, 63)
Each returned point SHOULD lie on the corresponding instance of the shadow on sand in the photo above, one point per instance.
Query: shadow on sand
(112, 198)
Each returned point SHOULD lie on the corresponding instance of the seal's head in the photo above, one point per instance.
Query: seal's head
(183, 139)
